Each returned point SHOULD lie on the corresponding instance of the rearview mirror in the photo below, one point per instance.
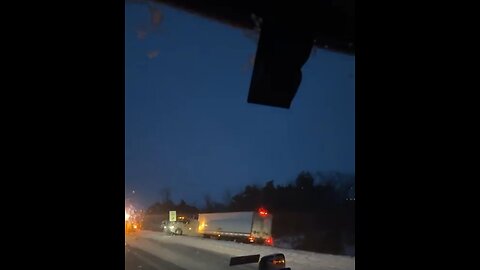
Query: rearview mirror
(274, 261)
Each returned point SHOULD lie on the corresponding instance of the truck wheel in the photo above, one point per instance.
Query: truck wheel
(178, 232)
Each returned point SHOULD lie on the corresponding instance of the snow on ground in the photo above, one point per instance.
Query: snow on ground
(182, 256)
(290, 242)
(296, 259)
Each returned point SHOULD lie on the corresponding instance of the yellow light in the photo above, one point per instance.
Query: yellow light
(202, 226)
(135, 226)
(127, 216)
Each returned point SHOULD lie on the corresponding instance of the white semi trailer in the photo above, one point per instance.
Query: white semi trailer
(253, 227)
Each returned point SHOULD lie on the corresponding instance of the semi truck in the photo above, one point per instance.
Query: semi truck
(251, 226)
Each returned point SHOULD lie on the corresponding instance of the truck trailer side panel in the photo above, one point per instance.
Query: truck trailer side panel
(233, 223)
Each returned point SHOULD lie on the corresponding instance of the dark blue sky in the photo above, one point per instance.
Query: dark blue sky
(188, 125)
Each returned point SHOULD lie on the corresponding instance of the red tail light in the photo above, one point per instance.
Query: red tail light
(263, 212)
(269, 241)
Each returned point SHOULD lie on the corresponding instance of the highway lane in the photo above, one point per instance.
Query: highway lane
(149, 254)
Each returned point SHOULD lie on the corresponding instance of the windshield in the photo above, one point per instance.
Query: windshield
(209, 175)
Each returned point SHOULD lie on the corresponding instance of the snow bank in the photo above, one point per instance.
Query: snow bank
(290, 242)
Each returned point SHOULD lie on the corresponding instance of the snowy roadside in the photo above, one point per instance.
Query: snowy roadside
(296, 259)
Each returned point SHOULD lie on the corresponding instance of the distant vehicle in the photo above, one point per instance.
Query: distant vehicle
(133, 222)
(250, 227)
(163, 226)
(132, 226)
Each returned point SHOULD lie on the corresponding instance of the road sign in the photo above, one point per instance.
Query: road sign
(173, 215)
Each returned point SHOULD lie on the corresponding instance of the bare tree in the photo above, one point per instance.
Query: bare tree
(165, 195)
(208, 202)
(227, 198)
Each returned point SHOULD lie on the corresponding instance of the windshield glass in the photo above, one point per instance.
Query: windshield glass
(210, 176)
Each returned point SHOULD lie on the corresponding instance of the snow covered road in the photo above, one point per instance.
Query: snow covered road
(199, 253)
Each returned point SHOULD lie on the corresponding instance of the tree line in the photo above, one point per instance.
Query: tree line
(318, 207)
